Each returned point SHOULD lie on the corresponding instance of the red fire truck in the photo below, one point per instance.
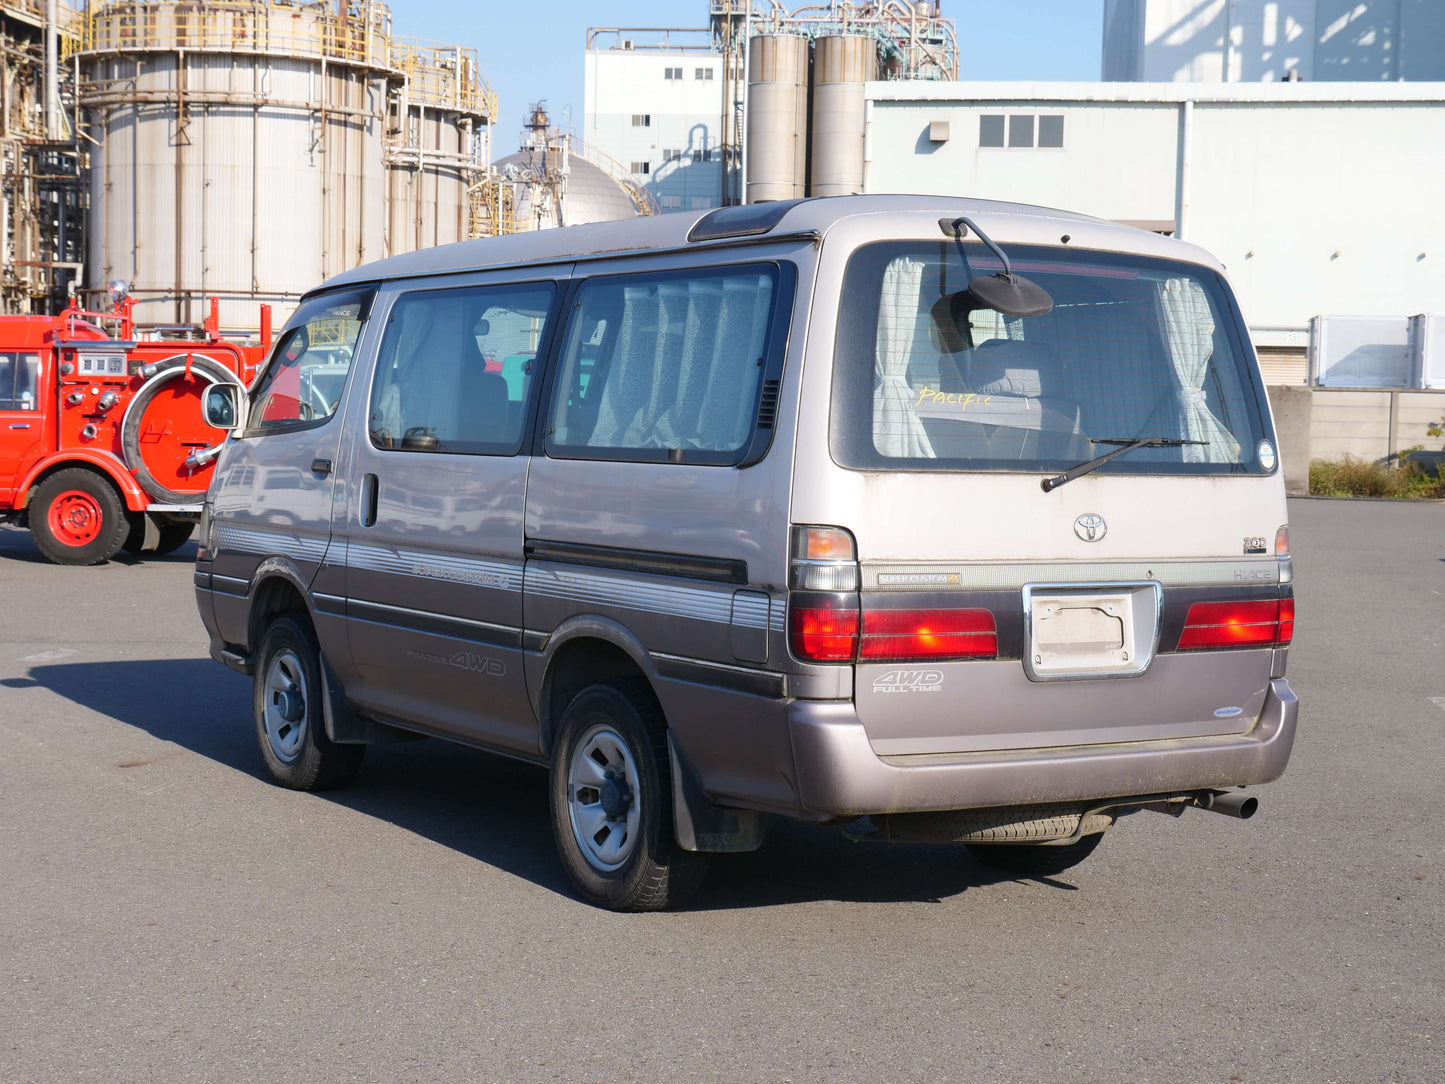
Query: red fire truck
(102, 442)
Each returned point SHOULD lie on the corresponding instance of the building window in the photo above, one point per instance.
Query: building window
(704, 155)
(1021, 130)
(703, 74)
(641, 168)
(670, 203)
(1051, 131)
(642, 120)
(670, 154)
(672, 73)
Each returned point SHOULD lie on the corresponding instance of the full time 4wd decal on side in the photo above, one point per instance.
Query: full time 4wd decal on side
(909, 681)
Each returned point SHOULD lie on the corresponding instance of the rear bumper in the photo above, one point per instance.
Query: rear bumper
(838, 773)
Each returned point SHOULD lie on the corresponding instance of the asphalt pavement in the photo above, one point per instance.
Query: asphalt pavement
(168, 915)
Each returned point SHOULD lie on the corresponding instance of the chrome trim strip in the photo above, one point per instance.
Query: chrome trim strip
(459, 628)
(1013, 575)
(265, 541)
(632, 593)
(720, 675)
(429, 564)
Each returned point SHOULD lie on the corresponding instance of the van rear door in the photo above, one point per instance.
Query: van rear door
(1141, 600)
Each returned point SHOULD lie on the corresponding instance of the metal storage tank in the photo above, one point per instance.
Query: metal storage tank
(842, 63)
(245, 150)
(437, 147)
(777, 132)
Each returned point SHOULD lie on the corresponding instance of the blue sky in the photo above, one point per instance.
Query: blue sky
(531, 51)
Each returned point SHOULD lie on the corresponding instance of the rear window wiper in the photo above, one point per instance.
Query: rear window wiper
(1128, 445)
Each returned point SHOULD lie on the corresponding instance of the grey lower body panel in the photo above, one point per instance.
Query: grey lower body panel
(839, 774)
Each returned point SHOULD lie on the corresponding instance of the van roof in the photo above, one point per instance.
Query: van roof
(1016, 223)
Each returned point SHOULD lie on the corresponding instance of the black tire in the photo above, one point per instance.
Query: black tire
(78, 518)
(1034, 860)
(173, 537)
(169, 535)
(286, 708)
(652, 872)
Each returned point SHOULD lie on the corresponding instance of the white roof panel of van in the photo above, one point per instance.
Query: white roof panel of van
(1015, 223)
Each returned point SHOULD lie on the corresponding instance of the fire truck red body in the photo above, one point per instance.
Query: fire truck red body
(102, 441)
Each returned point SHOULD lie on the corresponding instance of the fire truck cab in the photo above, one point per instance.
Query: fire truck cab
(102, 442)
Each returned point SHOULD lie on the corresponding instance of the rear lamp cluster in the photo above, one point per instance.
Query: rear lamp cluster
(826, 624)
(1265, 623)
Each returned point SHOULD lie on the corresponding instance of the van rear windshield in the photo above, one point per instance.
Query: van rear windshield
(925, 379)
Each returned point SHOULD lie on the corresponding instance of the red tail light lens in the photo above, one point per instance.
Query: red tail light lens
(929, 634)
(823, 634)
(1263, 623)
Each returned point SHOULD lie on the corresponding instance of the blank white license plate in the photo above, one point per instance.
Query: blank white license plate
(1099, 631)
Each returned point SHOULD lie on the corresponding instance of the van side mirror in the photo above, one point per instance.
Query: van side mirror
(221, 406)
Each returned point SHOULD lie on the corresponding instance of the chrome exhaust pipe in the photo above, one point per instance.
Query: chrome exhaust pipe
(1231, 803)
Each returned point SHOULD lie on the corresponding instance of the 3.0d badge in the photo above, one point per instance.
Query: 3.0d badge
(1090, 527)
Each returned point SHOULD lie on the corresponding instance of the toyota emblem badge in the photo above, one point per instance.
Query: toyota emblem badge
(1090, 527)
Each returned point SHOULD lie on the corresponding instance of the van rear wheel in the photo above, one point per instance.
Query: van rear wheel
(611, 799)
(286, 704)
(1033, 859)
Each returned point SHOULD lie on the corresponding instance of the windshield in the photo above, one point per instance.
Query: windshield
(926, 379)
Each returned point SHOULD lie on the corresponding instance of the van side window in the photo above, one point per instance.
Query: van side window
(456, 367)
(306, 372)
(19, 375)
(664, 367)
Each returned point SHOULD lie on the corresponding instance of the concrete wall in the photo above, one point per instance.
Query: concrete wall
(1318, 198)
(1330, 423)
(1255, 41)
(686, 117)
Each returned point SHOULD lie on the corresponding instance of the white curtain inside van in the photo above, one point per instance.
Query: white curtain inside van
(897, 430)
(1189, 331)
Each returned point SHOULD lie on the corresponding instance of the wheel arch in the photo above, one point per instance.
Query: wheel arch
(584, 651)
(104, 464)
(276, 589)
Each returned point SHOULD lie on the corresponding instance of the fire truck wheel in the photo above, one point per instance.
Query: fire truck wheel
(173, 537)
(164, 536)
(286, 703)
(77, 518)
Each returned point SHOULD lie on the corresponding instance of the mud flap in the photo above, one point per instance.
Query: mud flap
(344, 725)
(702, 826)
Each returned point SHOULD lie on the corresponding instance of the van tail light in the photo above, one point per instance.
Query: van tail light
(1262, 623)
(823, 559)
(929, 634)
(823, 633)
(823, 610)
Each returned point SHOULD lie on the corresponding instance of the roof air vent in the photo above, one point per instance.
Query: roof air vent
(744, 220)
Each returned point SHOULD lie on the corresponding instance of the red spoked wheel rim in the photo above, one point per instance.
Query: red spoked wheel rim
(74, 518)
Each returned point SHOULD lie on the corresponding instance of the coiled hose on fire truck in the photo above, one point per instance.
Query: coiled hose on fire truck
(147, 417)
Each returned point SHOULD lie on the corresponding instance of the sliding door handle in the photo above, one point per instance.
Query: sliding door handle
(321, 466)
(369, 487)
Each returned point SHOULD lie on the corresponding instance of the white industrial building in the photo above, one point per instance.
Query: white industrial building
(1253, 41)
(1319, 197)
(657, 106)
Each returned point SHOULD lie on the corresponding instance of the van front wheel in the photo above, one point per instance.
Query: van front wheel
(612, 803)
(286, 702)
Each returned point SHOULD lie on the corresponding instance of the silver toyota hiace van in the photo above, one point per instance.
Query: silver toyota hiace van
(937, 519)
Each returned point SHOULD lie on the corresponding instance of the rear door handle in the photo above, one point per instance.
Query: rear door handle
(21, 425)
(321, 466)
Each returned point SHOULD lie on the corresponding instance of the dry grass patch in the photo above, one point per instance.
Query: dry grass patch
(1350, 477)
